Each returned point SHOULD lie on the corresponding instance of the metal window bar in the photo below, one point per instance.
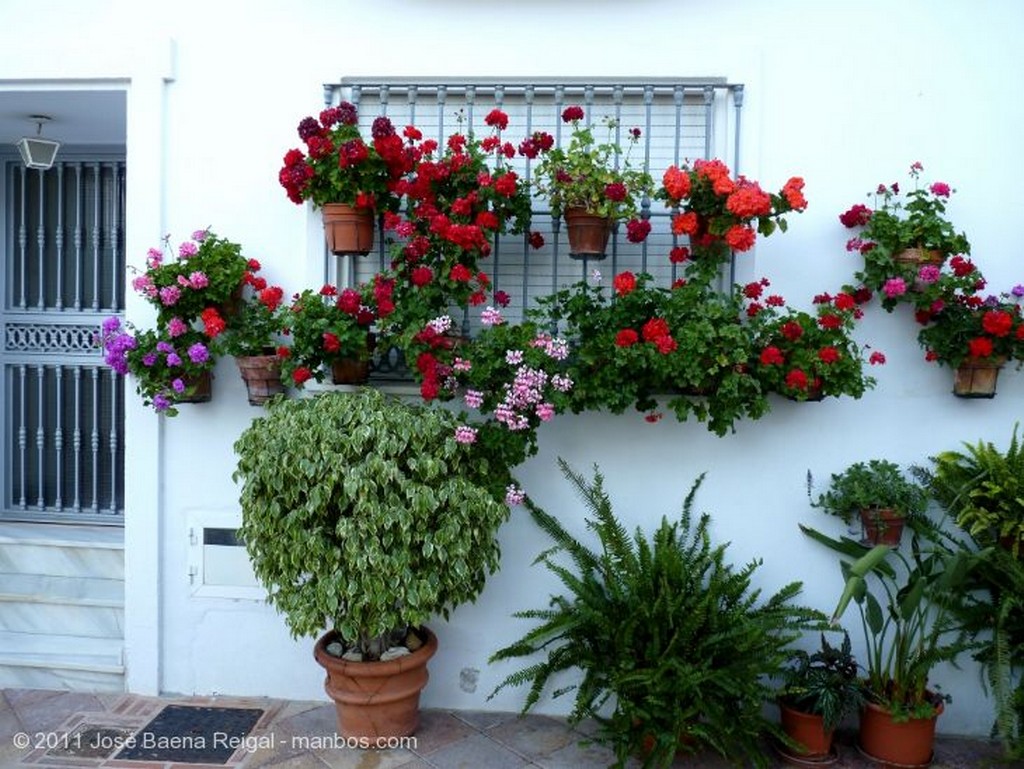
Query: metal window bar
(63, 454)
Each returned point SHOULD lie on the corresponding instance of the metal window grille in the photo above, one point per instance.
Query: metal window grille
(681, 119)
(63, 409)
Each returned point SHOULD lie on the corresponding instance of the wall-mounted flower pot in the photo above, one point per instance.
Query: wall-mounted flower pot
(588, 233)
(977, 378)
(198, 389)
(882, 525)
(348, 230)
(915, 259)
(262, 377)
(376, 699)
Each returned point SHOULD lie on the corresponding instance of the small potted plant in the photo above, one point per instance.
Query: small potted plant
(806, 356)
(903, 232)
(201, 284)
(253, 335)
(908, 608)
(169, 366)
(364, 517)
(328, 329)
(973, 333)
(879, 492)
(593, 184)
(721, 215)
(349, 179)
(819, 690)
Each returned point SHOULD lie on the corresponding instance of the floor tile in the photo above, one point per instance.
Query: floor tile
(476, 752)
(439, 729)
(534, 736)
(483, 720)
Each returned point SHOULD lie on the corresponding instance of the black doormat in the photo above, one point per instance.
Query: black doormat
(192, 735)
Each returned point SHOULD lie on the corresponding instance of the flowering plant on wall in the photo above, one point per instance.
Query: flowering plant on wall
(339, 166)
(254, 327)
(205, 275)
(165, 364)
(325, 326)
(595, 176)
(457, 200)
(807, 356)
(898, 222)
(642, 343)
(720, 214)
(960, 322)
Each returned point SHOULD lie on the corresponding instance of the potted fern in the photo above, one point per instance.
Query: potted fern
(667, 634)
(364, 517)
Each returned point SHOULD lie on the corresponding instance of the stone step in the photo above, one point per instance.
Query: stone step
(33, 660)
(62, 551)
(76, 606)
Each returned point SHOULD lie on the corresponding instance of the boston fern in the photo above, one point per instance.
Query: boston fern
(666, 633)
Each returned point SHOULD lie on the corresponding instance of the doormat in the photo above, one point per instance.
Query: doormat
(186, 734)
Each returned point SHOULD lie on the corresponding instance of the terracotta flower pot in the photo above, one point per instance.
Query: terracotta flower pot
(905, 743)
(376, 699)
(882, 525)
(348, 230)
(977, 377)
(198, 389)
(808, 730)
(588, 233)
(262, 377)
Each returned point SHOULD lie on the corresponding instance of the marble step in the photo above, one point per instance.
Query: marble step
(33, 660)
(63, 551)
(76, 606)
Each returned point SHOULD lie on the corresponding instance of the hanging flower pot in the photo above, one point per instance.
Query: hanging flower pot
(198, 389)
(350, 371)
(915, 259)
(588, 233)
(977, 377)
(262, 377)
(348, 230)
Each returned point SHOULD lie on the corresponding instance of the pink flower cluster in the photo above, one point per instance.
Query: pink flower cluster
(526, 392)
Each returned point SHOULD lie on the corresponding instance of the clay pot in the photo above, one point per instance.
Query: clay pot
(198, 389)
(588, 233)
(348, 230)
(977, 378)
(376, 699)
(882, 525)
(262, 377)
(906, 743)
(808, 730)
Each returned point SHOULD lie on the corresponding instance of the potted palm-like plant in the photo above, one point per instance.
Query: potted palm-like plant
(911, 624)
(879, 493)
(819, 690)
(364, 517)
(593, 185)
(349, 179)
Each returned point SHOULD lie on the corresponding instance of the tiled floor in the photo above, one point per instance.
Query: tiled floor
(301, 735)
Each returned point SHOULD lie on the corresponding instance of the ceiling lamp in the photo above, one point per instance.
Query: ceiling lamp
(37, 152)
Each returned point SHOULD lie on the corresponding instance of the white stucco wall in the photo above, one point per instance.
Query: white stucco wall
(845, 97)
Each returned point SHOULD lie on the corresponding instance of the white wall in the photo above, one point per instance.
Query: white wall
(846, 97)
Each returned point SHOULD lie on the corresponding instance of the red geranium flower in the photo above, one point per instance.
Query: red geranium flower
(626, 338)
(637, 230)
(980, 347)
(828, 354)
(998, 323)
(497, 118)
(624, 283)
(796, 379)
(772, 356)
(654, 329)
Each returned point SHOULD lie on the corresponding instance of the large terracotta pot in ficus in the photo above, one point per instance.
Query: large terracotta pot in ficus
(376, 699)
(904, 743)
(348, 230)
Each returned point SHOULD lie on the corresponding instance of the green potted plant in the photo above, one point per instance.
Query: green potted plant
(328, 329)
(721, 215)
(168, 369)
(674, 645)
(819, 690)
(975, 334)
(253, 335)
(201, 284)
(879, 493)
(364, 516)
(805, 356)
(593, 184)
(903, 232)
(349, 179)
(907, 607)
